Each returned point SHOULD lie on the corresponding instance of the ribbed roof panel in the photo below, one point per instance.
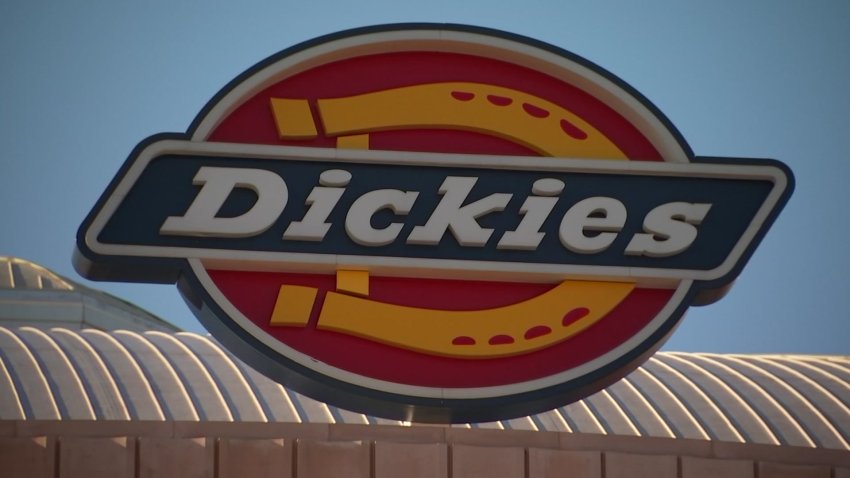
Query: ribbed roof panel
(11, 407)
(101, 387)
(580, 418)
(239, 399)
(131, 381)
(71, 374)
(30, 381)
(18, 273)
(166, 386)
(671, 410)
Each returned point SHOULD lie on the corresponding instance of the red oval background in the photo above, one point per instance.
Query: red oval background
(254, 293)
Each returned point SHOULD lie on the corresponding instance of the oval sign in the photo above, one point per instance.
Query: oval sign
(433, 223)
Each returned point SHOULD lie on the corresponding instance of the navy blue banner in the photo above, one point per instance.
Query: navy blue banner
(165, 189)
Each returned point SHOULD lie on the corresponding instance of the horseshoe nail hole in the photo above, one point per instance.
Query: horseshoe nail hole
(463, 340)
(537, 331)
(501, 340)
(462, 95)
(535, 111)
(574, 315)
(499, 100)
(572, 130)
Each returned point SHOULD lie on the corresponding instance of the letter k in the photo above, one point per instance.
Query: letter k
(451, 214)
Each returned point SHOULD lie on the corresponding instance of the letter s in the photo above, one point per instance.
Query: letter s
(669, 229)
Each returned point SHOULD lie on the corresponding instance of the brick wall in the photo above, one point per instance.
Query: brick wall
(242, 450)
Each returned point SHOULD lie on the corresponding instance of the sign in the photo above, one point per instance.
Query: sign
(433, 223)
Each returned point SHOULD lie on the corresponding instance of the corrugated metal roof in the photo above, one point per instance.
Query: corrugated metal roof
(121, 375)
(18, 273)
(33, 295)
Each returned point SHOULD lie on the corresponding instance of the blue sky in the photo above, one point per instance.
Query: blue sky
(82, 82)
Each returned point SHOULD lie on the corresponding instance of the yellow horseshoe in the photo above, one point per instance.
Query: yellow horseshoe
(549, 318)
(520, 117)
(547, 128)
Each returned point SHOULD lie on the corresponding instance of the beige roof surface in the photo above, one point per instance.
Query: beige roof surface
(120, 375)
(33, 295)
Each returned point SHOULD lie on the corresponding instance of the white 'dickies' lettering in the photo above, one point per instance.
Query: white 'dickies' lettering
(321, 200)
(461, 220)
(216, 186)
(601, 215)
(669, 229)
(358, 222)
(535, 210)
(589, 226)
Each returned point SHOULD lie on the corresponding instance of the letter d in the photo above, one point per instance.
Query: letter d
(217, 184)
